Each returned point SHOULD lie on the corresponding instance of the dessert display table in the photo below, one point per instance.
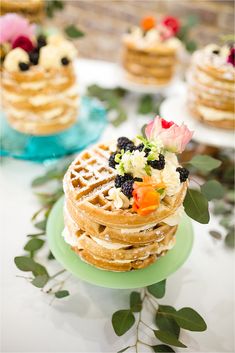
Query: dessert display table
(82, 321)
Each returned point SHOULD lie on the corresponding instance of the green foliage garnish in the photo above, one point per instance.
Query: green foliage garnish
(158, 289)
(112, 98)
(73, 32)
(196, 206)
(205, 163)
(53, 6)
(183, 33)
(212, 189)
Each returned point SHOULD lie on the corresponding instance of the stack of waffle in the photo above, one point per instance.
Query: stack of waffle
(155, 65)
(40, 101)
(32, 9)
(211, 87)
(105, 237)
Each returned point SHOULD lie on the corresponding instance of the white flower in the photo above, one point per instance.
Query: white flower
(171, 179)
(118, 198)
(133, 163)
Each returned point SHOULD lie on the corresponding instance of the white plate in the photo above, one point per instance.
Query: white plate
(175, 109)
(172, 88)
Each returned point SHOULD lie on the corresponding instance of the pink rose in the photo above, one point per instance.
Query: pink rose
(173, 136)
(13, 26)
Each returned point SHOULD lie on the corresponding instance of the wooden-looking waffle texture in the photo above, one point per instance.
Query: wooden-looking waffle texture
(34, 10)
(40, 102)
(111, 239)
(156, 66)
(210, 94)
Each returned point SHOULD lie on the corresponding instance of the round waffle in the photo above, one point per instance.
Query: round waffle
(88, 181)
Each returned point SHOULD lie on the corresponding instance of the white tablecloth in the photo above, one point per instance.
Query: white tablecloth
(82, 321)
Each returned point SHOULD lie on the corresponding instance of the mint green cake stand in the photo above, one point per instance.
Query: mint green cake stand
(156, 272)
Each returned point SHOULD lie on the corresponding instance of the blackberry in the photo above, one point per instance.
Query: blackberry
(112, 162)
(65, 61)
(23, 66)
(33, 57)
(130, 147)
(127, 188)
(122, 142)
(140, 147)
(138, 179)
(121, 179)
(147, 151)
(216, 51)
(41, 40)
(184, 173)
(158, 163)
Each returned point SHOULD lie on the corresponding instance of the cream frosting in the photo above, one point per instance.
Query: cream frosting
(151, 39)
(215, 114)
(118, 198)
(13, 58)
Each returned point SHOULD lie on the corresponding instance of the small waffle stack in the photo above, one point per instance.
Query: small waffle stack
(211, 87)
(106, 237)
(32, 9)
(40, 102)
(154, 65)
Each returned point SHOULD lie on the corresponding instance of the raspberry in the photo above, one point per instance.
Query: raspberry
(23, 66)
(65, 61)
(112, 162)
(121, 179)
(127, 188)
(158, 163)
(184, 173)
(122, 142)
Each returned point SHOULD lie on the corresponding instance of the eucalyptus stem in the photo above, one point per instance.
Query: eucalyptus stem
(57, 274)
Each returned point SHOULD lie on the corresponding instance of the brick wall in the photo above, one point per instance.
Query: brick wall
(104, 21)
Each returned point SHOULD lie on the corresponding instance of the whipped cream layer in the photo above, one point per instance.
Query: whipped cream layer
(215, 114)
(151, 39)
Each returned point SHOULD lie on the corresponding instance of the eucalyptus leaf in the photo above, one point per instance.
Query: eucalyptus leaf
(205, 163)
(162, 348)
(34, 244)
(35, 235)
(73, 32)
(24, 263)
(215, 234)
(158, 289)
(39, 270)
(189, 319)
(196, 206)
(122, 321)
(120, 118)
(168, 338)
(123, 350)
(50, 256)
(61, 294)
(230, 239)
(226, 221)
(135, 302)
(165, 319)
(146, 104)
(191, 46)
(41, 225)
(40, 281)
(212, 189)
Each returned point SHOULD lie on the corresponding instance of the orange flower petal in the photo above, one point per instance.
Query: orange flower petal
(148, 22)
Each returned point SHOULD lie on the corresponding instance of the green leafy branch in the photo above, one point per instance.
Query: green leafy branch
(149, 104)
(184, 33)
(168, 320)
(39, 274)
(112, 98)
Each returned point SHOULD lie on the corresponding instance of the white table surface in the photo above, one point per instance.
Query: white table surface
(82, 321)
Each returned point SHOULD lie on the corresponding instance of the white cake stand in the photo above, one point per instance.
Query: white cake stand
(175, 109)
(175, 86)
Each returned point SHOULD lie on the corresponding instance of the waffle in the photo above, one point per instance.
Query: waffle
(150, 65)
(88, 181)
(211, 91)
(105, 237)
(32, 9)
(40, 102)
